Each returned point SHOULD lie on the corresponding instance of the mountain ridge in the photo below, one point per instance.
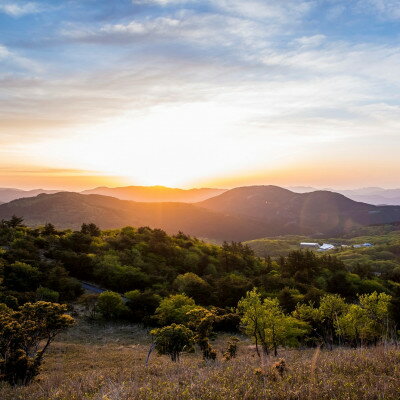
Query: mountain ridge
(239, 214)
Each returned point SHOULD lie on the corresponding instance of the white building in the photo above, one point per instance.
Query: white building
(305, 245)
(326, 247)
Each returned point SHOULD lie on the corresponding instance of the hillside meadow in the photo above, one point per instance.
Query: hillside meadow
(107, 362)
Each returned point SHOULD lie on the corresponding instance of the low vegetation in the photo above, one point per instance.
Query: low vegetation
(100, 362)
(190, 297)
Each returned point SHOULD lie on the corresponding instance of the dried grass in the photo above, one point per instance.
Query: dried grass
(108, 363)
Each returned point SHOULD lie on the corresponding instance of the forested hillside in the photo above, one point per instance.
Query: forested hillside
(47, 263)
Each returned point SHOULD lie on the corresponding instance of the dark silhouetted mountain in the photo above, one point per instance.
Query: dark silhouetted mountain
(154, 194)
(286, 212)
(239, 214)
(70, 210)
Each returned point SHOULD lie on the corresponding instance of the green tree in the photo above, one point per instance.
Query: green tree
(174, 309)
(287, 300)
(173, 340)
(142, 305)
(49, 229)
(90, 229)
(252, 311)
(21, 277)
(265, 321)
(193, 286)
(366, 322)
(25, 335)
(201, 321)
(110, 305)
(331, 307)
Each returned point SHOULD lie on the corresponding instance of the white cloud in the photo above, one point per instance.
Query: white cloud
(19, 9)
(162, 2)
(387, 9)
(310, 41)
(17, 61)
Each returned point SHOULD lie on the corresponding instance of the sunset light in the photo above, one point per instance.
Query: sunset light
(183, 94)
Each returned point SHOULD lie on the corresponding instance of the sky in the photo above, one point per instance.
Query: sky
(190, 93)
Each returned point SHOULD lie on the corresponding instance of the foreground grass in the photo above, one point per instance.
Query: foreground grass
(108, 363)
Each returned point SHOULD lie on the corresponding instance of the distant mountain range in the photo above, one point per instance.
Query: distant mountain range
(370, 195)
(134, 193)
(243, 213)
(70, 210)
(9, 194)
(152, 194)
(156, 193)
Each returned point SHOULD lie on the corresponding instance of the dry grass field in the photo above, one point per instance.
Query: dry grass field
(108, 363)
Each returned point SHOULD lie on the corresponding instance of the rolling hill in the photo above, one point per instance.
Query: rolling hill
(156, 193)
(70, 210)
(370, 195)
(286, 212)
(239, 214)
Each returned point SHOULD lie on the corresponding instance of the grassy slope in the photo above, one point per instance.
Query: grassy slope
(106, 363)
(282, 245)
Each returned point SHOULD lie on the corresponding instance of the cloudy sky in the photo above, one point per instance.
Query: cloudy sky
(199, 92)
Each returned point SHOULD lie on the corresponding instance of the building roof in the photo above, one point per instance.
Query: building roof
(327, 246)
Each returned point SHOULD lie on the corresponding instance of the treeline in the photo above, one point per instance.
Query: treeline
(333, 322)
(147, 265)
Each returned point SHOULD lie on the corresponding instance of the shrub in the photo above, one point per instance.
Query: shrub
(25, 335)
(110, 305)
(173, 340)
(231, 351)
(46, 294)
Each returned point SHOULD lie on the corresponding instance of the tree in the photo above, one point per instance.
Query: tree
(266, 322)
(90, 229)
(287, 300)
(201, 322)
(49, 229)
(366, 322)
(173, 340)
(142, 305)
(331, 307)
(251, 309)
(110, 305)
(21, 277)
(25, 335)
(193, 286)
(15, 222)
(353, 325)
(174, 309)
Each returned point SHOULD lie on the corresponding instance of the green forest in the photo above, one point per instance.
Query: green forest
(146, 265)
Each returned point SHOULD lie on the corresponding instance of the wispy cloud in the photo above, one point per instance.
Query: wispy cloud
(19, 8)
(387, 9)
(269, 72)
(17, 62)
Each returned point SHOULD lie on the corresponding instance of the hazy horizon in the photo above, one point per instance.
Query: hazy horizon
(290, 187)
